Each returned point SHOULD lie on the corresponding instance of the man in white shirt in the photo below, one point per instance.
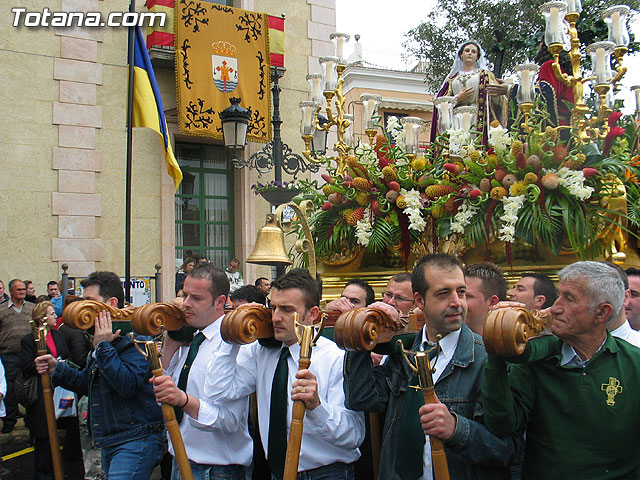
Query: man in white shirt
(215, 434)
(332, 433)
(619, 325)
(632, 308)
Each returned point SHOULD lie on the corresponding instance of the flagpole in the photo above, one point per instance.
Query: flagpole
(127, 215)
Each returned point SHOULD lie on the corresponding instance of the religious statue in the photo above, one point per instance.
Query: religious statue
(472, 84)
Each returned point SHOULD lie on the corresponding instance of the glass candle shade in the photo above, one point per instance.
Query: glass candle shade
(348, 133)
(412, 127)
(306, 125)
(370, 102)
(339, 39)
(600, 53)
(553, 13)
(636, 92)
(574, 6)
(465, 119)
(526, 80)
(616, 19)
(315, 87)
(444, 106)
(328, 65)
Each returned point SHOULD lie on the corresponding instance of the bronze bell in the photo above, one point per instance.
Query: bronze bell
(269, 248)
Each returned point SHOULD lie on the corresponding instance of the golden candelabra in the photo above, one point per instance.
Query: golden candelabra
(334, 69)
(555, 39)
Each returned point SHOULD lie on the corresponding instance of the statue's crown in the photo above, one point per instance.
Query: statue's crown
(223, 48)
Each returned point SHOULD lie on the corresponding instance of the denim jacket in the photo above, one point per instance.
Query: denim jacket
(122, 406)
(472, 452)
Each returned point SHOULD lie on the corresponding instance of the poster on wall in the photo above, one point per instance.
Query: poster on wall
(140, 289)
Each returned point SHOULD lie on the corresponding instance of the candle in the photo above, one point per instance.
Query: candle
(525, 84)
(409, 135)
(601, 72)
(328, 75)
(317, 89)
(636, 90)
(466, 122)
(554, 22)
(574, 6)
(616, 27)
(445, 115)
(368, 111)
(340, 46)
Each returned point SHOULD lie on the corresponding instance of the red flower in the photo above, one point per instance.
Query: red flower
(326, 206)
(613, 118)
(614, 133)
(589, 172)
(451, 167)
(475, 193)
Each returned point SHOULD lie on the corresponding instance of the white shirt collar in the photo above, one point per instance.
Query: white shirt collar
(213, 328)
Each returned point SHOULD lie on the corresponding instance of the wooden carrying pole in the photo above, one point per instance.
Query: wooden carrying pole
(438, 456)
(297, 415)
(40, 335)
(169, 415)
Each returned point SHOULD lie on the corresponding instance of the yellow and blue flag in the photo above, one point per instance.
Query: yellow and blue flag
(147, 104)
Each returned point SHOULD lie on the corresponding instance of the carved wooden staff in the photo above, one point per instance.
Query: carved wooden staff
(422, 368)
(249, 323)
(507, 330)
(151, 319)
(40, 335)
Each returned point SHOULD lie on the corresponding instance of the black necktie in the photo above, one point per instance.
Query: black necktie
(184, 374)
(277, 449)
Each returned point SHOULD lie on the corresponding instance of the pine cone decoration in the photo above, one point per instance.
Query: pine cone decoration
(362, 184)
(516, 147)
(347, 213)
(390, 174)
(328, 189)
(551, 134)
(362, 198)
(437, 191)
(356, 216)
(575, 163)
(437, 211)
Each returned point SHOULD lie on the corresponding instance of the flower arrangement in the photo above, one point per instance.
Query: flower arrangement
(534, 185)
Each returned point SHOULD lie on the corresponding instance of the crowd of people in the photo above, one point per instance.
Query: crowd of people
(530, 417)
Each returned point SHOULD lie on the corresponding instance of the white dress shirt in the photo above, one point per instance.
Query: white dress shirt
(627, 333)
(332, 433)
(448, 347)
(220, 435)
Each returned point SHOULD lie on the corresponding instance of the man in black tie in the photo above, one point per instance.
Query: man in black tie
(456, 418)
(215, 435)
(331, 433)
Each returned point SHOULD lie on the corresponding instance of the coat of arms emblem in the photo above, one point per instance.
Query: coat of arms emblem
(225, 66)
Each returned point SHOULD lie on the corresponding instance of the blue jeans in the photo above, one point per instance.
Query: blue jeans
(135, 459)
(334, 471)
(211, 472)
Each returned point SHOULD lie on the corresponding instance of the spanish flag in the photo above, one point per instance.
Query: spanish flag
(147, 104)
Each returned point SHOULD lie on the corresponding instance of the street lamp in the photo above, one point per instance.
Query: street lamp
(234, 120)
(275, 155)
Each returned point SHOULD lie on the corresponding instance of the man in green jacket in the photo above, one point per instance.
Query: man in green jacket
(576, 394)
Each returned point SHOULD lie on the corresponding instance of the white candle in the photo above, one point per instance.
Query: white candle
(368, 112)
(317, 90)
(444, 111)
(339, 47)
(574, 6)
(601, 72)
(637, 92)
(466, 122)
(554, 22)
(616, 27)
(306, 116)
(328, 75)
(409, 135)
(525, 84)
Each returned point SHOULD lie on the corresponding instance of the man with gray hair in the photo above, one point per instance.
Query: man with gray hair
(576, 393)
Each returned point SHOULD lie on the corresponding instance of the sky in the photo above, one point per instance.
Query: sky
(382, 30)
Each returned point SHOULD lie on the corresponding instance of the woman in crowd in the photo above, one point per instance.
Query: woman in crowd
(35, 419)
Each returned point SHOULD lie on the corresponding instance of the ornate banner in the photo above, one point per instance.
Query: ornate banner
(221, 52)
